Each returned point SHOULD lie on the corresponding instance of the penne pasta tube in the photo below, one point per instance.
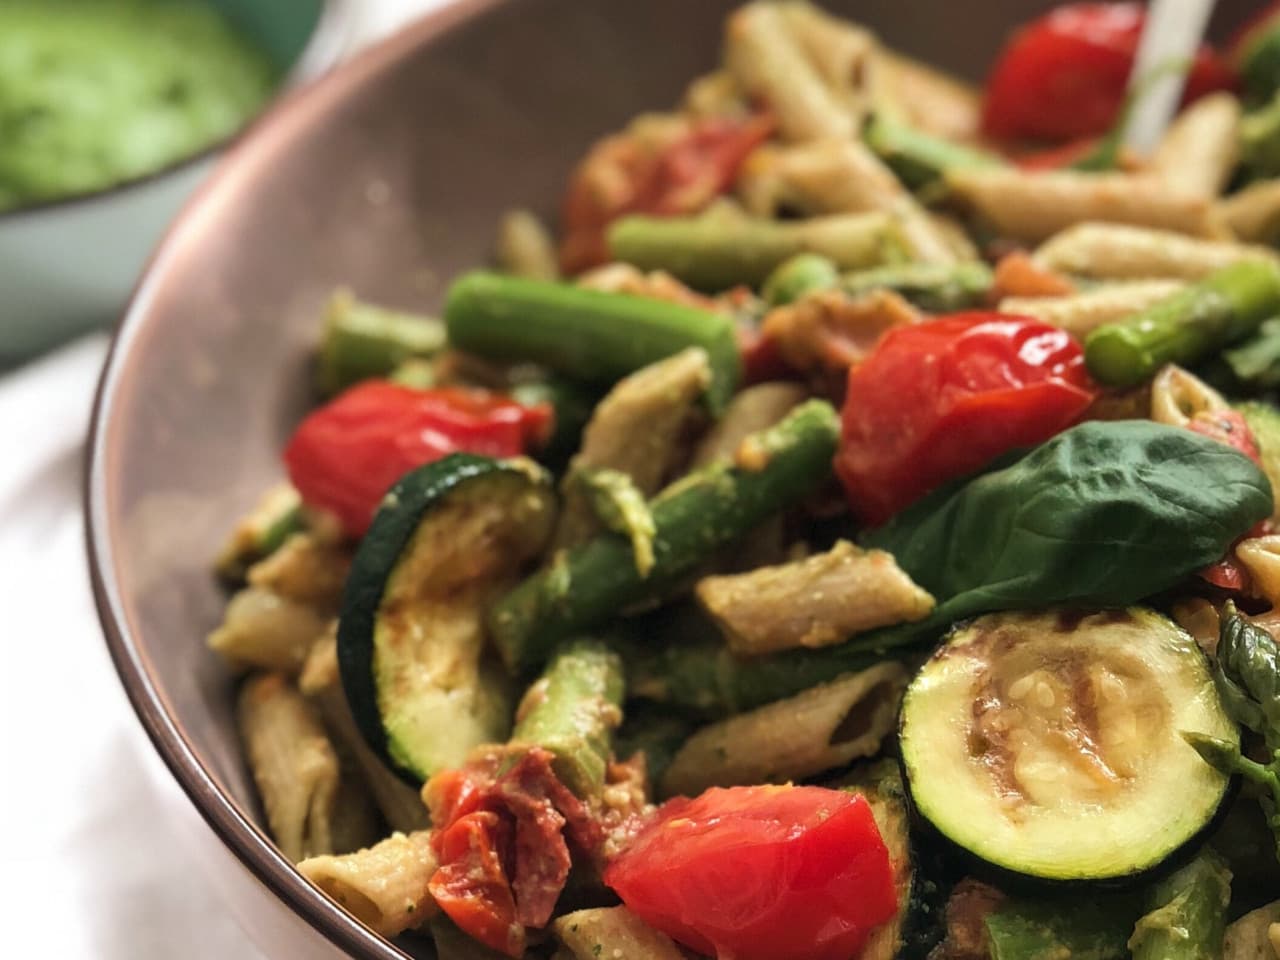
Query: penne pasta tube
(613, 932)
(770, 65)
(1201, 147)
(1081, 313)
(841, 52)
(261, 629)
(823, 727)
(839, 176)
(1261, 557)
(525, 248)
(1033, 205)
(638, 430)
(1109, 251)
(306, 570)
(815, 602)
(714, 94)
(384, 886)
(1253, 214)
(399, 803)
(292, 762)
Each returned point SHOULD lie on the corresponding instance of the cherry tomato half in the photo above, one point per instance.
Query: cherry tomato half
(345, 455)
(761, 873)
(940, 399)
(1063, 76)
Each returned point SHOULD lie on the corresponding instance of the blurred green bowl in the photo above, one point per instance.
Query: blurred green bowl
(69, 265)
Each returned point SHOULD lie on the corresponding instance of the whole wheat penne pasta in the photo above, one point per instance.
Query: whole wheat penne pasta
(637, 430)
(525, 248)
(770, 65)
(824, 727)
(839, 176)
(751, 410)
(384, 886)
(841, 51)
(814, 602)
(320, 682)
(1109, 251)
(613, 932)
(1199, 151)
(930, 100)
(1033, 205)
(293, 764)
(1254, 213)
(1081, 313)
(306, 569)
(264, 630)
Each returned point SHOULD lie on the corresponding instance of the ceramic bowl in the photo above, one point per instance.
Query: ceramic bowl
(68, 265)
(388, 175)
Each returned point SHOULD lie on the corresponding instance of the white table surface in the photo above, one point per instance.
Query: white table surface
(91, 865)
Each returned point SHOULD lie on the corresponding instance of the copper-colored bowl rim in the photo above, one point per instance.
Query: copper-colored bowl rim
(295, 113)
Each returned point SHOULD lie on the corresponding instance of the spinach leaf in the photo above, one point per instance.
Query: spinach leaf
(1104, 514)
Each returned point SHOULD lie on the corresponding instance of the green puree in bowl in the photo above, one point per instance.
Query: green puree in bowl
(97, 92)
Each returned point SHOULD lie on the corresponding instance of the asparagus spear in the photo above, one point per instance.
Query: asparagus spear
(572, 711)
(692, 519)
(715, 253)
(621, 507)
(1225, 306)
(276, 516)
(935, 287)
(363, 341)
(798, 275)
(585, 334)
(916, 157)
(1187, 913)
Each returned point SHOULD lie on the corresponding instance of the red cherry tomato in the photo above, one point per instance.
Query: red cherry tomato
(1063, 76)
(940, 399)
(345, 455)
(761, 873)
(623, 174)
(1229, 427)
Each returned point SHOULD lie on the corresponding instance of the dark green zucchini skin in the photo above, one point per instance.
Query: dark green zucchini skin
(406, 505)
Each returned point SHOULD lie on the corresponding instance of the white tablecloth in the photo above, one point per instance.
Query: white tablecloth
(91, 867)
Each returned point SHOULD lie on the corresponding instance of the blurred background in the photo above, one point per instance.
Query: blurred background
(111, 113)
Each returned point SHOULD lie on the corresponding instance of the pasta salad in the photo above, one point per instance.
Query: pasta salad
(853, 535)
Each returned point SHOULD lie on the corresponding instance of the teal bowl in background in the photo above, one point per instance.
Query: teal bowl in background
(69, 265)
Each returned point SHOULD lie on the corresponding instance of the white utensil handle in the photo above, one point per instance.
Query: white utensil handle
(1172, 33)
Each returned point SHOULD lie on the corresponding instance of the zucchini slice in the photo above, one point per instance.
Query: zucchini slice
(447, 538)
(1049, 744)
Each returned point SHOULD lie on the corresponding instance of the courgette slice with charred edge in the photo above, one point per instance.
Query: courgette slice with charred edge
(1049, 745)
(917, 927)
(447, 537)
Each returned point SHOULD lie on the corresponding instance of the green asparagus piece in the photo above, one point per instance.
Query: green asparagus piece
(585, 334)
(716, 254)
(362, 341)
(934, 287)
(1187, 913)
(621, 507)
(798, 275)
(1226, 306)
(1075, 927)
(1260, 139)
(917, 158)
(693, 518)
(572, 711)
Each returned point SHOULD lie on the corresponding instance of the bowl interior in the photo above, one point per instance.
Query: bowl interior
(388, 176)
